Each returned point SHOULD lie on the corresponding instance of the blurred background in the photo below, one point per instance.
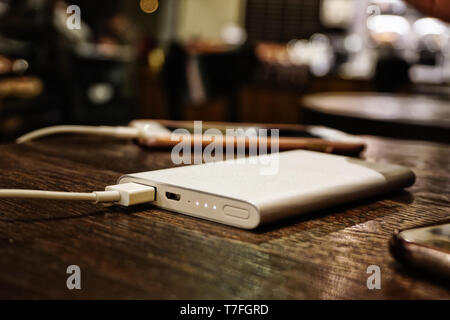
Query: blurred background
(362, 66)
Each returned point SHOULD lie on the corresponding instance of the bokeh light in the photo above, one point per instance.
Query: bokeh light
(149, 6)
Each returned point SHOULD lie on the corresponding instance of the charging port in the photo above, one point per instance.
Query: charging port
(173, 196)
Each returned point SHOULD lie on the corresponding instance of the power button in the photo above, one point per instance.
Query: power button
(236, 212)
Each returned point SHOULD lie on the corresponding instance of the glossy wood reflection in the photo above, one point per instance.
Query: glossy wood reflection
(144, 252)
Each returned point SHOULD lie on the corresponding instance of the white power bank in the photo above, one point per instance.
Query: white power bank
(238, 194)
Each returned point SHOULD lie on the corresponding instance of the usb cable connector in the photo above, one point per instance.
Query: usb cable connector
(133, 193)
(126, 194)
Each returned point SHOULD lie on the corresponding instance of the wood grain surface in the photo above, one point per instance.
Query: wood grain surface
(143, 252)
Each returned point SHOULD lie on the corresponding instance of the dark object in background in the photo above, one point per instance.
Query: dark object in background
(282, 21)
(27, 35)
(220, 74)
(174, 79)
(78, 85)
(225, 72)
(99, 67)
(391, 73)
(425, 248)
(97, 92)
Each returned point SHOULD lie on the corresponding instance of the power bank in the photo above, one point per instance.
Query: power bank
(243, 194)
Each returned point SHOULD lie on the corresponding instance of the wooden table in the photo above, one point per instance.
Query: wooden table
(144, 252)
(393, 115)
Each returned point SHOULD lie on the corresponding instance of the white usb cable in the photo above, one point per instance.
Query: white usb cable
(117, 132)
(149, 130)
(126, 194)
